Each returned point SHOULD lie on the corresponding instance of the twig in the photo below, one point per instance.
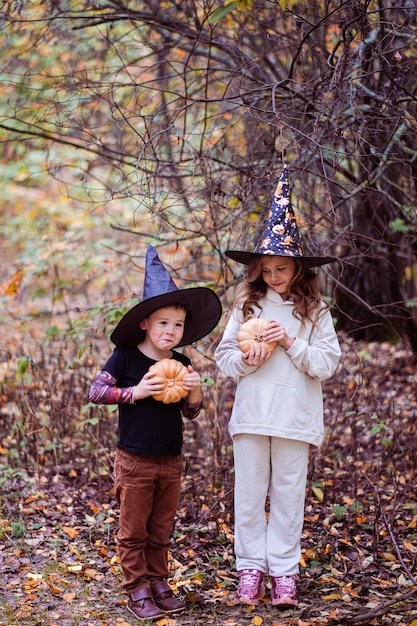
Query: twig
(377, 611)
(391, 533)
(381, 608)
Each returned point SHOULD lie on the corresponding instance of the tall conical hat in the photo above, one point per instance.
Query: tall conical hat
(280, 236)
(159, 290)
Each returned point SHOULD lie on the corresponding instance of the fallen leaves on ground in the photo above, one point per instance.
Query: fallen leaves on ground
(58, 524)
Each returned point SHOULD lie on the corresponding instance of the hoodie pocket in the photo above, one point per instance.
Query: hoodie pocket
(275, 404)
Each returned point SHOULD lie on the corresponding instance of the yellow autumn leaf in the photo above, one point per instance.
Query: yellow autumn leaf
(318, 493)
(73, 548)
(233, 203)
(257, 621)
(332, 596)
(287, 4)
(12, 287)
(244, 5)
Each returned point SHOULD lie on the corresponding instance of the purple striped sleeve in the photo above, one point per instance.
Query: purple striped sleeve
(104, 391)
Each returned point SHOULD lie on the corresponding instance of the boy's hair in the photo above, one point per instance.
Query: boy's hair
(187, 313)
(303, 291)
(178, 306)
(175, 306)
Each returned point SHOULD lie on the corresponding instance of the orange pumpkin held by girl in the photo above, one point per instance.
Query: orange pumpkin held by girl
(251, 332)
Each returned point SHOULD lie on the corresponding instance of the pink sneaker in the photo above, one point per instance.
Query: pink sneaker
(251, 586)
(284, 591)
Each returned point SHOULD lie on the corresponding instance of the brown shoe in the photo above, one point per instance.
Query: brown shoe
(164, 597)
(141, 604)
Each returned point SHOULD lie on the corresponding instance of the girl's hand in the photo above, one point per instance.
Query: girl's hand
(257, 354)
(276, 332)
(150, 385)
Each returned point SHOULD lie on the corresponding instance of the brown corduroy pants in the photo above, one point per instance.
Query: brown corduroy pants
(147, 490)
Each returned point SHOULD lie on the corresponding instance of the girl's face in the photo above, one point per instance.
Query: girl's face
(278, 272)
(164, 327)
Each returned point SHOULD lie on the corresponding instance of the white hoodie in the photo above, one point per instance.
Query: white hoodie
(282, 397)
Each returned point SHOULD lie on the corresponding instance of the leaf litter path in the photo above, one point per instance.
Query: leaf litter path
(58, 557)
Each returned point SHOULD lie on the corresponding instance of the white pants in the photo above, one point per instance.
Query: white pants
(278, 467)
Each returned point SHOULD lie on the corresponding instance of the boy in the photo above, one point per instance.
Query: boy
(148, 465)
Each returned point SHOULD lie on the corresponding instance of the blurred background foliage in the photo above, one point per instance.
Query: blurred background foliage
(169, 122)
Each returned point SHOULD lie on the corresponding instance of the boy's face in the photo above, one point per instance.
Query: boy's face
(165, 327)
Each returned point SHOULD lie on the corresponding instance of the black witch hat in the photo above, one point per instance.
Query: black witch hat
(280, 236)
(159, 290)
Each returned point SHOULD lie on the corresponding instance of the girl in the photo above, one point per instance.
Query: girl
(277, 413)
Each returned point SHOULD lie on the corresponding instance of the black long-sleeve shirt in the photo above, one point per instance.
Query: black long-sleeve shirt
(146, 426)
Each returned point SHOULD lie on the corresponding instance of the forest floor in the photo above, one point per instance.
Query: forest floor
(58, 514)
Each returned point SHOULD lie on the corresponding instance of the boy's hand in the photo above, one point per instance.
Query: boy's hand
(191, 380)
(148, 386)
(192, 383)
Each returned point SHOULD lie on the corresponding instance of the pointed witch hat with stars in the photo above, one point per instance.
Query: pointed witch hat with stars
(280, 236)
(159, 290)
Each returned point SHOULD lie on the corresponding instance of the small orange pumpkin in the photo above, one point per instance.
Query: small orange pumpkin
(172, 372)
(251, 332)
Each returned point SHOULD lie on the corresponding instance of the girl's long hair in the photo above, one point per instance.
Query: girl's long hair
(303, 291)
